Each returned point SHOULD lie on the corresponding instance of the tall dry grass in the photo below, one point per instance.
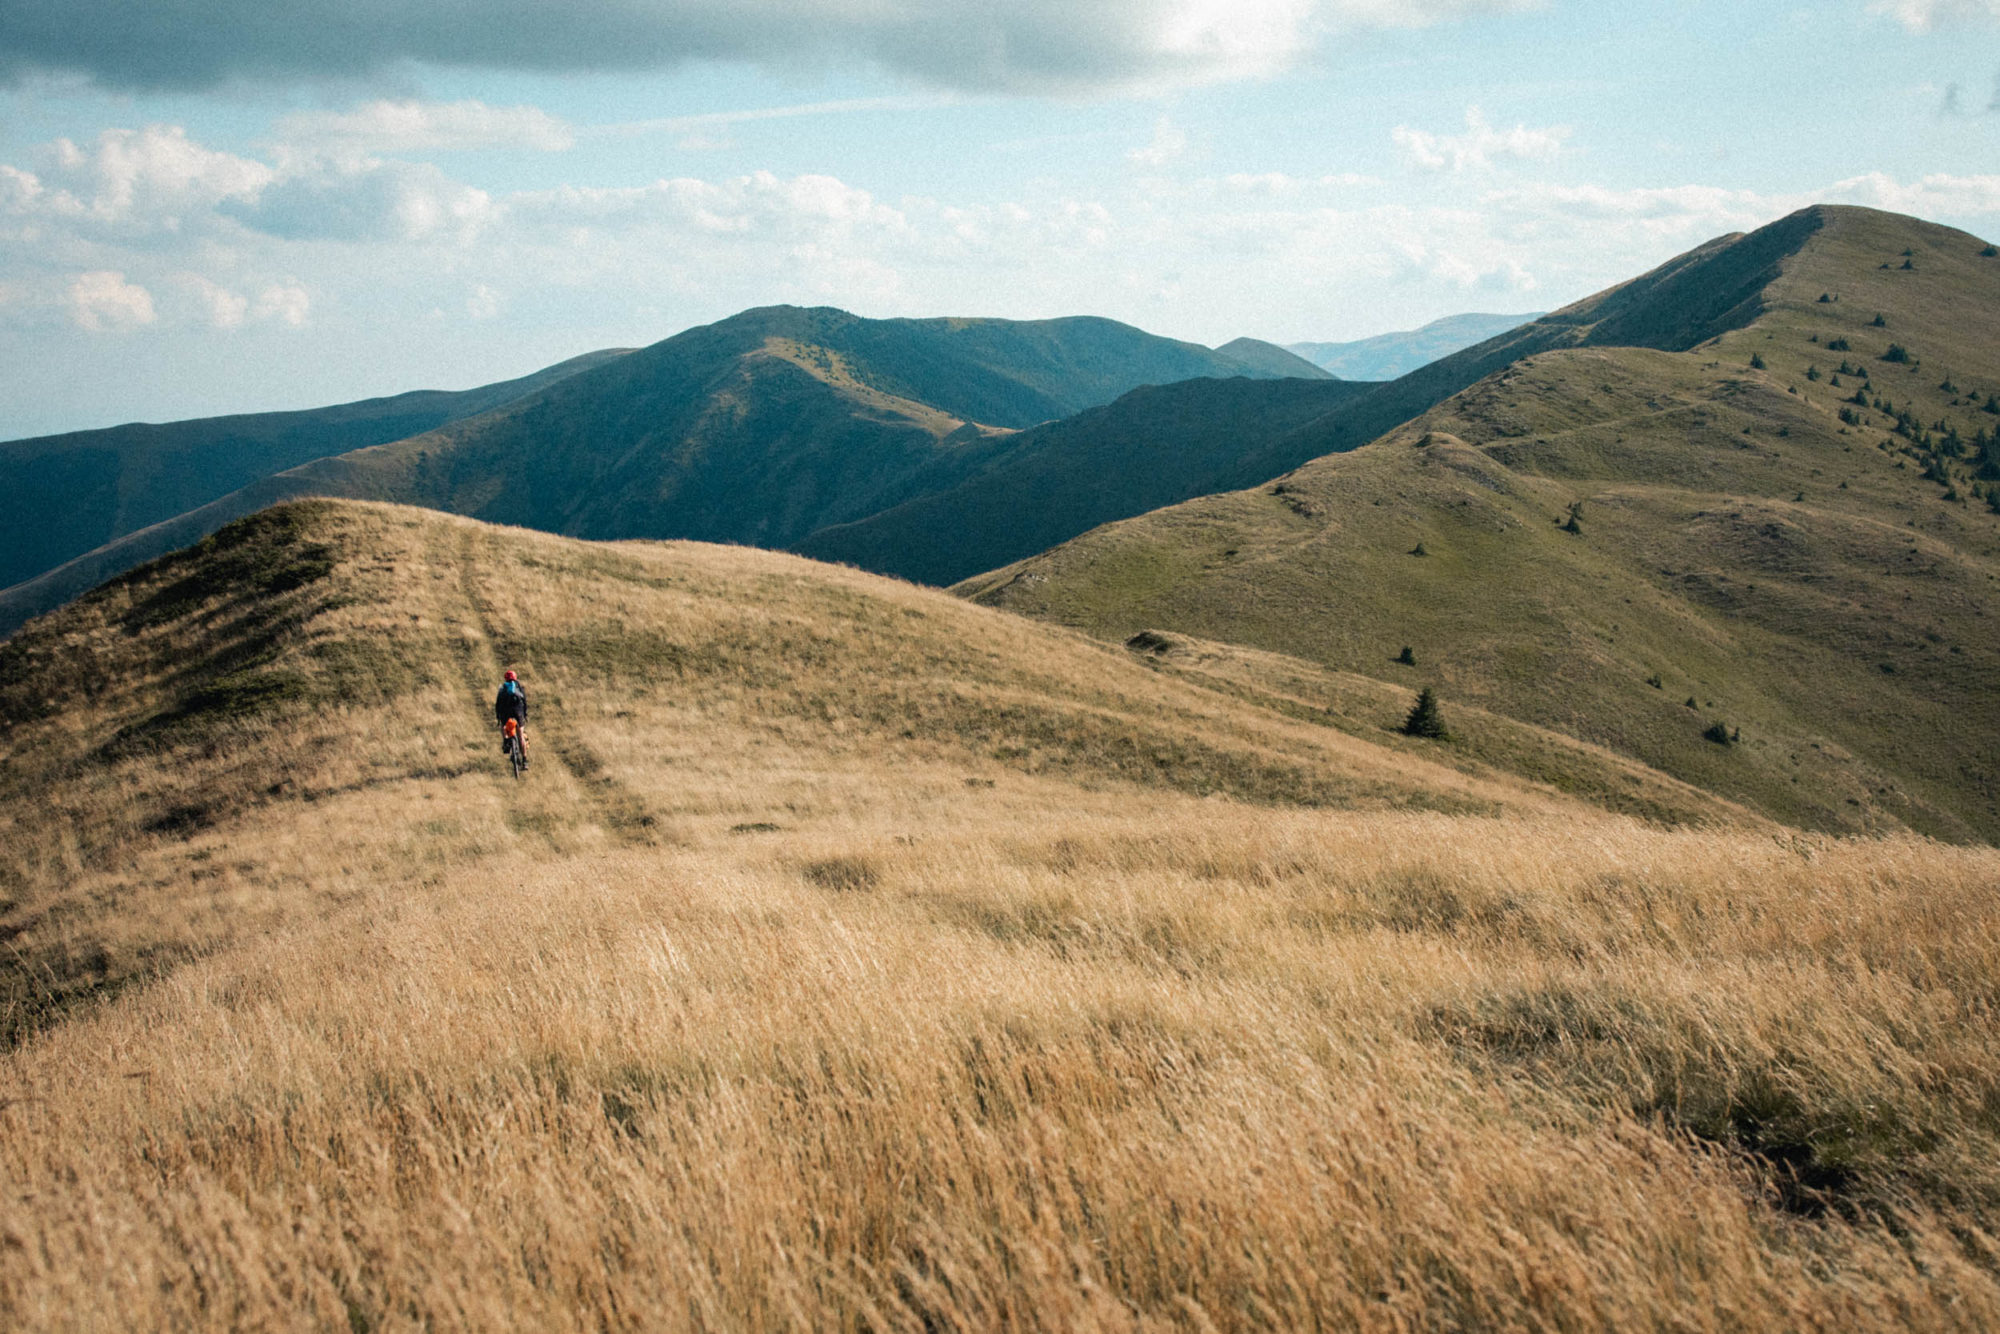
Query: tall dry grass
(861, 983)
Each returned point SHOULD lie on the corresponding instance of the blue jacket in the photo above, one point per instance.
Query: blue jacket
(511, 702)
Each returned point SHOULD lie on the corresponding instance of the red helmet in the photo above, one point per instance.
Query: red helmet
(510, 675)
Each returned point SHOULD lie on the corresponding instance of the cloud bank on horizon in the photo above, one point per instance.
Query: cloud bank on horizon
(1201, 168)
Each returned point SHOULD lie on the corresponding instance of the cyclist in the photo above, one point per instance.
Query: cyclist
(512, 703)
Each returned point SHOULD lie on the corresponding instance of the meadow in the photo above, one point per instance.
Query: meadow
(853, 957)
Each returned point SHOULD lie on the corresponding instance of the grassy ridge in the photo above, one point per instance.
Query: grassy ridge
(322, 648)
(1752, 550)
(853, 956)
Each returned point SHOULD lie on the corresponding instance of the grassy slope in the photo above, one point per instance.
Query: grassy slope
(63, 495)
(854, 955)
(758, 429)
(215, 686)
(1795, 575)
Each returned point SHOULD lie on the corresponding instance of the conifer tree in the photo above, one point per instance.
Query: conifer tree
(1425, 720)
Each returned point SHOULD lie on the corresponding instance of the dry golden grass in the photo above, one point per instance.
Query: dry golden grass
(747, 1010)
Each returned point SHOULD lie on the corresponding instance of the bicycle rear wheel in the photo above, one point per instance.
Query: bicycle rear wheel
(516, 758)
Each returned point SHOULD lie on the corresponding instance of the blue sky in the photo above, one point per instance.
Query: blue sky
(228, 205)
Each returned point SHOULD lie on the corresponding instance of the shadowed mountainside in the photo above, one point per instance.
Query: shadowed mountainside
(1153, 447)
(64, 495)
(1780, 583)
(759, 429)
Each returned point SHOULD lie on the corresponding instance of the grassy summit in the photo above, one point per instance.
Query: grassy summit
(1752, 548)
(856, 956)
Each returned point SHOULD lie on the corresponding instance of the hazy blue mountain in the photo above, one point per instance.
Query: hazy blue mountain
(1387, 356)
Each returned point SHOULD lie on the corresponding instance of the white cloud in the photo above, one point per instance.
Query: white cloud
(372, 201)
(412, 126)
(102, 299)
(224, 309)
(483, 303)
(1167, 144)
(1479, 145)
(287, 303)
(1924, 15)
(134, 181)
(1931, 196)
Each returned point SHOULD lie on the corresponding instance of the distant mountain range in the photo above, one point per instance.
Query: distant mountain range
(63, 495)
(1738, 519)
(761, 428)
(1391, 355)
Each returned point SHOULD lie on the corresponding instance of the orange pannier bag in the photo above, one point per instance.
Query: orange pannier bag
(511, 726)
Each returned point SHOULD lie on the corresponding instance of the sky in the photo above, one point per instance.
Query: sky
(212, 206)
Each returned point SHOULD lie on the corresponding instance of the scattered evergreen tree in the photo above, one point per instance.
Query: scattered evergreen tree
(1407, 657)
(1840, 345)
(1425, 720)
(1826, 298)
(1878, 322)
(1574, 523)
(1418, 550)
(1897, 353)
(1691, 704)
(1812, 372)
(1655, 682)
(1756, 361)
(1990, 252)
(1718, 732)
(1910, 264)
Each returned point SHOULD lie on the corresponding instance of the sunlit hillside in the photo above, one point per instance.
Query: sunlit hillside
(1769, 565)
(855, 957)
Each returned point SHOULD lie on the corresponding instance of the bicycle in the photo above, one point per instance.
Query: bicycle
(517, 754)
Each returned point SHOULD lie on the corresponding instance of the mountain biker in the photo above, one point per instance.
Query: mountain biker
(512, 702)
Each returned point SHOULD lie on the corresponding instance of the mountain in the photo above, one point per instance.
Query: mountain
(855, 956)
(1390, 356)
(1781, 582)
(760, 428)
(1273, 360)
(63, 495)
(1153, 447)
(1210, 436)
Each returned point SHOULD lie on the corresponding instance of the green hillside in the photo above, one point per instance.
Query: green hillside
(64, 495)
(1153, 447)
(1757, 556)
(758, 429)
